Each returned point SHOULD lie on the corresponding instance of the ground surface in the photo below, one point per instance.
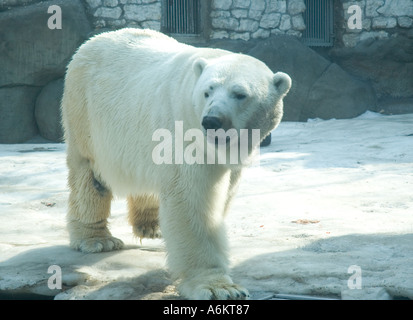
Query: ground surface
(325, 196)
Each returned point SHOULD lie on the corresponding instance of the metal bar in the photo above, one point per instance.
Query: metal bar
(299, 297)
(181, 16)
(286, 296)
(184, 17)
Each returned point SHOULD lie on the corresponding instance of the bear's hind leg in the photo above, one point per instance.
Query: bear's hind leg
(143, 216)
(89, 209)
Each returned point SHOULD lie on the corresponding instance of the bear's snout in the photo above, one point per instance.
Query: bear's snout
(209, 122)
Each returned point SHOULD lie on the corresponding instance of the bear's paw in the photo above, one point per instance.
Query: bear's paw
(95, 245)
(213, 287)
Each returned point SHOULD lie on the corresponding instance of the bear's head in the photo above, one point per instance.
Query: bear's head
(238, 94)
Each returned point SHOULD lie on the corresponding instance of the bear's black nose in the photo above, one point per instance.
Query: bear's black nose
(211, 123)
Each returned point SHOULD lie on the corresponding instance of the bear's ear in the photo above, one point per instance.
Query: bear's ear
(282, 82)
(199, 66)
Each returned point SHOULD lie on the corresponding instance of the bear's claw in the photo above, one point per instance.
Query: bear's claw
(149, 232)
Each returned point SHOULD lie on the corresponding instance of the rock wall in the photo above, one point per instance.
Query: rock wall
(371, 65)
(381, 19)
(251, 19)
(125, 13)
(31, 57)
(380, 52)
(320, 88)
(233, 19)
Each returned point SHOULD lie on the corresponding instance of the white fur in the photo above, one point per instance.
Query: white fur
(120, 88)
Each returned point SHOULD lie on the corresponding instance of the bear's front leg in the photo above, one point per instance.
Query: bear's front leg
(191, 219)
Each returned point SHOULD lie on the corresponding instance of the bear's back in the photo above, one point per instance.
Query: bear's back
(128, 45)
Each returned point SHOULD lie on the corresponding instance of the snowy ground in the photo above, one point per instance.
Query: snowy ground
(327, 195)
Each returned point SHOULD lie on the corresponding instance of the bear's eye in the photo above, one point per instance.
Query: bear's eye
(240, 96)
(206, 94)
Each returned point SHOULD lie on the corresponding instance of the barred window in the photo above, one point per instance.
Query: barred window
(181, 16)
(318, 18)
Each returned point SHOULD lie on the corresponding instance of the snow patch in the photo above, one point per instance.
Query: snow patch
(354, 177)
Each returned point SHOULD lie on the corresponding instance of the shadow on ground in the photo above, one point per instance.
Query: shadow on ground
(318, 269)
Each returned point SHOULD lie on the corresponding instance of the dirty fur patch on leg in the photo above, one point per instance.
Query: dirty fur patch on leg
(99, 186)
(143, 216)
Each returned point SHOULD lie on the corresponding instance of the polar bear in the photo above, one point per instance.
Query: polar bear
(122, 86)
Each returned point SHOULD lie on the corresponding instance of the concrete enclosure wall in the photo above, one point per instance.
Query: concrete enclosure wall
(371, 61)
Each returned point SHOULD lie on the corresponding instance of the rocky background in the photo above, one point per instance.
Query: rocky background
(382, 19)
(246, 19)
(33, 59)
(367, 69)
